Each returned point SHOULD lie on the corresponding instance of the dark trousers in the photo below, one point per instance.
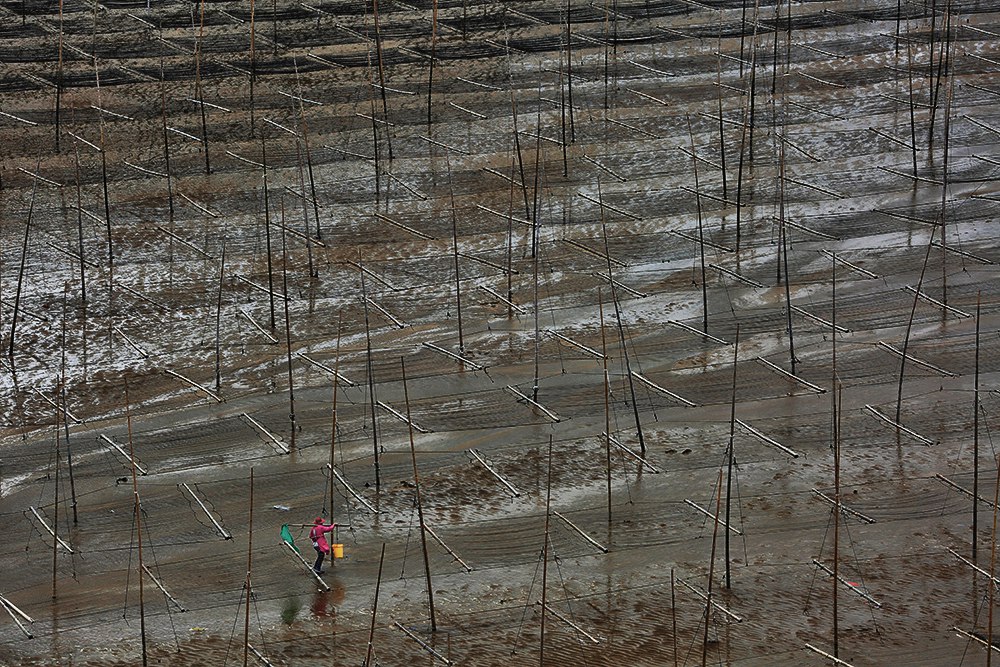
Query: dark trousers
(319, 559)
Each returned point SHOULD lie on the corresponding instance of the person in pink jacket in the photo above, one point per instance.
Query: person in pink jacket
(318, 536)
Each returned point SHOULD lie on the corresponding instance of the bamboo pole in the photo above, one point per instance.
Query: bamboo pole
(225, 534)
(247, 588)
(333, 409)
(17, 615)
(381, 76)
(137, 513)
(545, 556)
(451, 552)
(371, 628)
(836, 516)
(83, 271)
(510, 487)
(730, 454)
(420, 507)
(454, 238)
(424, 645)
(975, 443)
(55, 517)
(218, 321)
(569, 69)
(288, 333)
(59, 76)
(198, 88)
(430, 74)
(20, 272)
(370, 372)
(701, 231)
(607, 406)
(711, 573)
(353, 492)
(993, 561)
(253, 65)
(621, 329)
(267, 230)
(69, 451)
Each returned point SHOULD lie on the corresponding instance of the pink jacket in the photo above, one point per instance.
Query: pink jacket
(317, 535)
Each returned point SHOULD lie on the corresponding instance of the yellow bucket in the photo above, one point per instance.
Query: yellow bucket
(338, 550)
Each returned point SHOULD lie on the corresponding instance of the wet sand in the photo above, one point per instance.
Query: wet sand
(617, 241)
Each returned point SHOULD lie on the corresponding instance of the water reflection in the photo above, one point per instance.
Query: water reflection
(324, 603)
(290, 609)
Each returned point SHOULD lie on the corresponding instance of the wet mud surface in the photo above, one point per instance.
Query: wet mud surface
(551, 225)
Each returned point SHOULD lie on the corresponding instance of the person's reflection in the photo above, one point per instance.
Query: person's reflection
(324, 603)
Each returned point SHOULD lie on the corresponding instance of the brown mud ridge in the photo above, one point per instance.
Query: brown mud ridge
(536, 235)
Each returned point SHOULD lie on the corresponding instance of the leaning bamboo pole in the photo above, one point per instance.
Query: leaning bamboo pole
(711, 573)
(420, 506)
(370, 372)
(20, 273)
(137, 518)
(621, 329)
(371, 628)
(701, 230)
